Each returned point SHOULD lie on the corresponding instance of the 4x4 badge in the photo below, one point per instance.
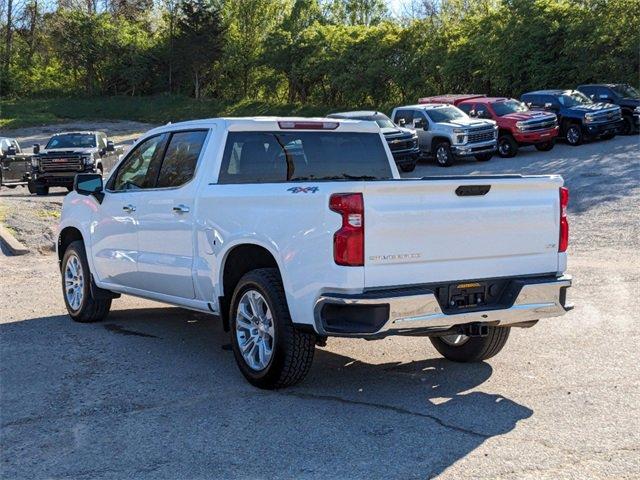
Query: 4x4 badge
(303, 189)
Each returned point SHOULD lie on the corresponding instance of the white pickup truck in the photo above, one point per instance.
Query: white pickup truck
(294, 230)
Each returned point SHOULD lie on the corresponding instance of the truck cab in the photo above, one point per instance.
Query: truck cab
(518, 126)
(67, 154)
(579, 117)
(447, 133)
(621, 94)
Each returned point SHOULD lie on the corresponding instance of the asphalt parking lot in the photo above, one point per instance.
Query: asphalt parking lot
(153, 392)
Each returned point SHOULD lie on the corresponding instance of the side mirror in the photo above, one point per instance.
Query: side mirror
(606, 98)
(36, 148)
(402, 122)
(89, 184)
(550, 106)
(418, 124)
(110, 146)
(11, 150)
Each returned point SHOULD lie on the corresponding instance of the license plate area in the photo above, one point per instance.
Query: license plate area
(475, 295)
(467, 295)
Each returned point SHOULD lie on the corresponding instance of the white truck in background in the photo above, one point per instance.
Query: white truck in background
(294, 230)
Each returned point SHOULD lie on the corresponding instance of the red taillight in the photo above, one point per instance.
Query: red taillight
(307, 125)
(348, 242)
(564, 224)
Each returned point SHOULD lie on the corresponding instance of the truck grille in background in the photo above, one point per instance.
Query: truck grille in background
(539, 124)
(612, 115)
(401, 144)
(66, 164)
(481, 135)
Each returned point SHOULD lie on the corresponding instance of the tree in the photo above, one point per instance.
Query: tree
(199, 39)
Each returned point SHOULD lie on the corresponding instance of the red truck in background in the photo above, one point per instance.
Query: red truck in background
(518, 126)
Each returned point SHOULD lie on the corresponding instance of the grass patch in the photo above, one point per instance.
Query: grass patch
(17, 113)
(44, 213)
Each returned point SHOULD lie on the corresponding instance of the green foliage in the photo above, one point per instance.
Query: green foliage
(243, 54)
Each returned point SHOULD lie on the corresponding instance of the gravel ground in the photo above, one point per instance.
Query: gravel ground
(153, 391)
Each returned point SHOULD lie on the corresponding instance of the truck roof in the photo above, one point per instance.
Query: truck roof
(355, 114)
(557, 91)
(240, 124)
(76, 132)
(425, 106)
(452, 99)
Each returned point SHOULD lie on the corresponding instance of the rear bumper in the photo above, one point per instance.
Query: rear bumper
(539, 136)
(416, 310)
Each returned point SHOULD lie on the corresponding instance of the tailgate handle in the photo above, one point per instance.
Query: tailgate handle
(472, 190)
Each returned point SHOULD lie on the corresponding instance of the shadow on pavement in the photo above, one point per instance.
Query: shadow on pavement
(155, 393)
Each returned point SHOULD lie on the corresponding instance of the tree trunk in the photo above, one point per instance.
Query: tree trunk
(7, 46)
(196, 82)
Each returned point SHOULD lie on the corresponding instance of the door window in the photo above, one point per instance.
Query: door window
(180, 159)
(140, 169)
(406, 115)
(466, 107)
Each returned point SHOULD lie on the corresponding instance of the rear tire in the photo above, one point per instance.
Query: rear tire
(545, 146)
(507, 146)
(472, 349)
(276, 354)
(76, 287)
(443, 154)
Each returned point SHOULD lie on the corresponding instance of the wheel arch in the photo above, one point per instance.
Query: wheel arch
(438, 139)
(237, 261)
(67, 235)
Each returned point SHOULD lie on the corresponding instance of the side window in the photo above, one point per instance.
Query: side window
(403, 117)
(465, 107)
(589, 92)
(140, 168)
(180, 159)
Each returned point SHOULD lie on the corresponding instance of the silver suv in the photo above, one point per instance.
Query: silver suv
(446, 132)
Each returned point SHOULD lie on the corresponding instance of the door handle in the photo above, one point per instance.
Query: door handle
(181, 209)
(129, 208)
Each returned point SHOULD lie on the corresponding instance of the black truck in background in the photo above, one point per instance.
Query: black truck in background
(67, 154)
(621, 94)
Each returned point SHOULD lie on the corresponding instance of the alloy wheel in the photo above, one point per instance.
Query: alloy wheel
(73, 282)
(255, 330)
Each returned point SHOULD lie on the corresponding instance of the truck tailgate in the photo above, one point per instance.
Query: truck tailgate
(446, 229)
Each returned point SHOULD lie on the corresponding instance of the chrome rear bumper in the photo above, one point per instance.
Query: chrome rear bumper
(408, 313)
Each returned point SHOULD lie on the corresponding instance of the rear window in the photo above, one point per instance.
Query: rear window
(274, 157)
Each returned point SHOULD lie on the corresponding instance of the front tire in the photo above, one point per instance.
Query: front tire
(545, 146)
(76, 287)
(270, 352)
(460, 348)
(574, 135)
(443, 154)
(507, 146)
(628, 127)
(408, 167)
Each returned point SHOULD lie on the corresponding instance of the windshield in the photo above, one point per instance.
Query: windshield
(445, 114)
(571, 99)
(509, 106)
(72, 140)
(626, 91)
(275, 157)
